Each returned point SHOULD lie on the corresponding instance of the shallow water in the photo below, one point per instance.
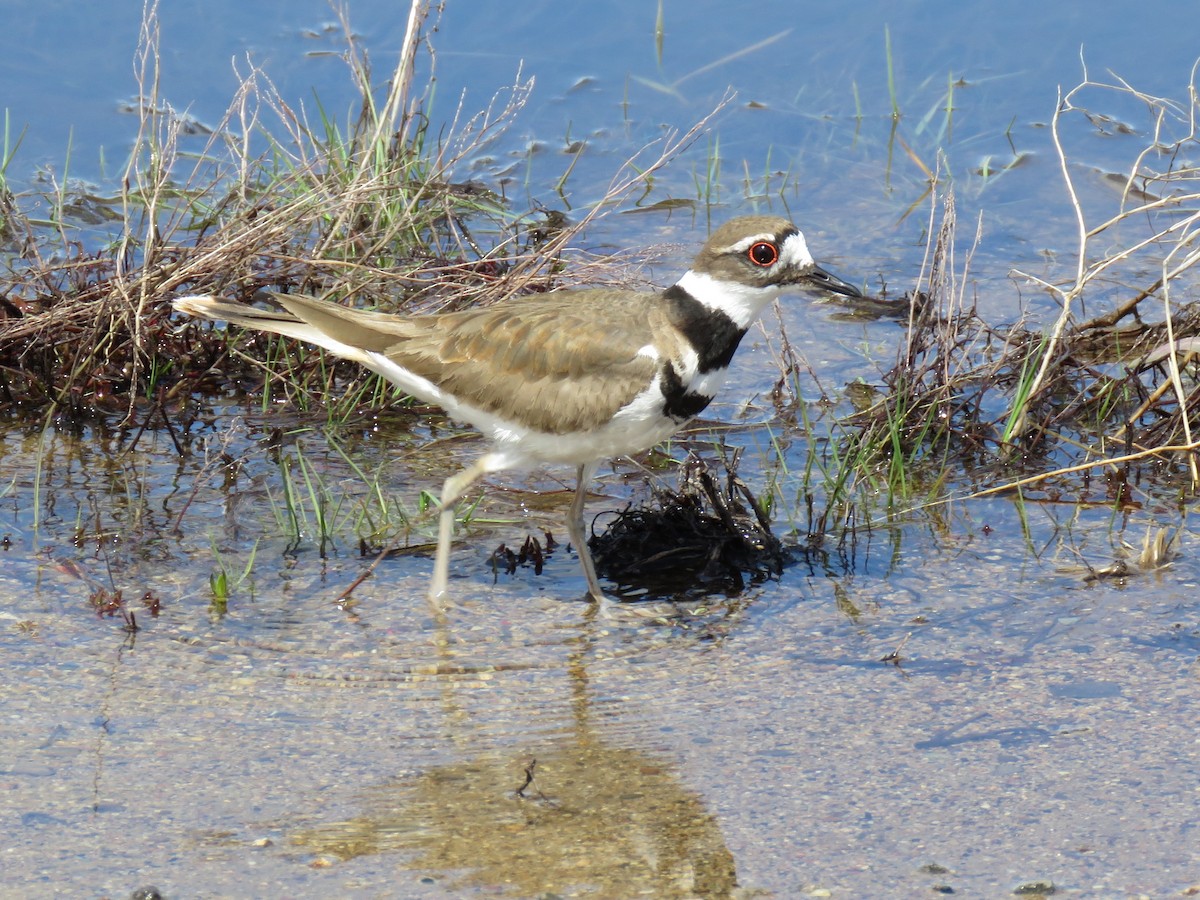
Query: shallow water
(1037, 729)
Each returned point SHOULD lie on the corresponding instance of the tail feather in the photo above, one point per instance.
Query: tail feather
(275, 321)
(352, 334)
(208, 307)
(365, 329)
(319, 322)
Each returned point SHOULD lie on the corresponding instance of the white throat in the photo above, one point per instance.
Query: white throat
(741, 302)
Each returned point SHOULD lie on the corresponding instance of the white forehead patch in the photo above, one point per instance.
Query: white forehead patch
(794, 252)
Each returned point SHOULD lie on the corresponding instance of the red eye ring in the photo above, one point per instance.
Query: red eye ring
(763, 254)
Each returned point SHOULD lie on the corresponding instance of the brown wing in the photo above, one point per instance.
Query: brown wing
(561, 362)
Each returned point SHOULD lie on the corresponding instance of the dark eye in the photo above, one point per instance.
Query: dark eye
(764, 254)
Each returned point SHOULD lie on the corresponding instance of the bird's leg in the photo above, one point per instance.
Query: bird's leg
(455, 487)
(584, 476)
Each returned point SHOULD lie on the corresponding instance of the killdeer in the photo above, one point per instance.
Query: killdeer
(571, 376)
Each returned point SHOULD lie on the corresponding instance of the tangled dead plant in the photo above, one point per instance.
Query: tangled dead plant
(708, 534)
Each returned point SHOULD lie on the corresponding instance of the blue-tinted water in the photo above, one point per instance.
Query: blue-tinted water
(289, 744)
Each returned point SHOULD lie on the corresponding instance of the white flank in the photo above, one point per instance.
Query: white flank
(636, 426)
(649, 350)
(710, 383)
(687, 366)
(411, 384)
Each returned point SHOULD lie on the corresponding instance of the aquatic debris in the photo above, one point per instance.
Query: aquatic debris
(532, 551)
(1159, 548)
(704, 534)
